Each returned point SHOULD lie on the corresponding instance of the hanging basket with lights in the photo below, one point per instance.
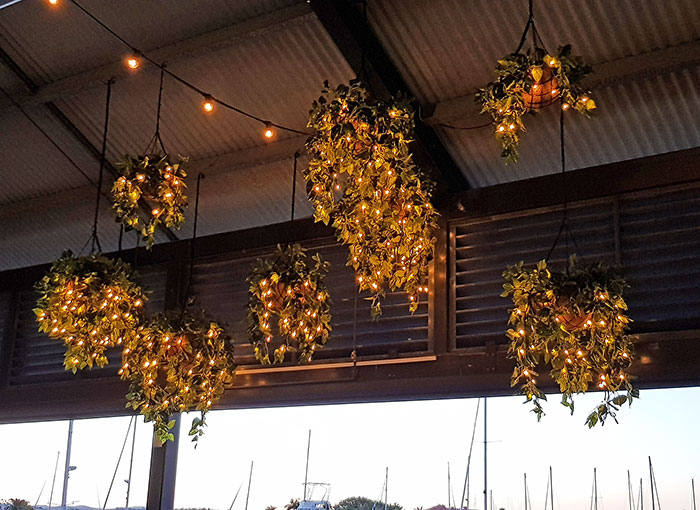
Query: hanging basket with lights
(178, 362)
(362, 177)
(574, 322)
(287, 288)
(91, 303)
(527, 83)
(161, 183)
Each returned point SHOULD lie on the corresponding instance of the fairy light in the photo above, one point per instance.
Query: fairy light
(133, 62)
(208, 104)
(269, 132)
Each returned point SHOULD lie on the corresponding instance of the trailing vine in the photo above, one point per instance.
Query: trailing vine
(178, 362)
(575, 322)
(288, 288)
(362, 177)
(91, 303)
(158, 180)
(527, 82)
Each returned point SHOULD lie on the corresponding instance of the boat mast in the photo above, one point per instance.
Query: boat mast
(465, 488)
(551, 487)
(250, 479)
(486, 503)
(449, 488)
(53, 483)
(641, 495)
(595, 490)
(67, 469)
(692, 485)
(629, 489)
(525, 486)
(386, 488)
(306, 473)
(651, 482)
(131, 466)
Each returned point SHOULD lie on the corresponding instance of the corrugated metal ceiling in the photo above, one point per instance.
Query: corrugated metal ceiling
(445, 49)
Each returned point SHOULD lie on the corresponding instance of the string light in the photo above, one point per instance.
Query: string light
(208, 103)
(269, 132)
(133, 62)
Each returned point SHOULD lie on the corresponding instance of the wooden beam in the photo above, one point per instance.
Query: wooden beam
(365, 55)
(626, 69)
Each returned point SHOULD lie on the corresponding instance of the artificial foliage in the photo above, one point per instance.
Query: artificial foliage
(158, 180)
(574, 322)
(91, 303)
(179, 362)
(288, 288)
(527, 82)
(362, 177)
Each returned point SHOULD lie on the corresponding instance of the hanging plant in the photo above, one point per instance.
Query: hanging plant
(161, 183)
(528, 82)
(362, 177)
(91, 303)
(574, 322)
(178, 362)
(287, 288)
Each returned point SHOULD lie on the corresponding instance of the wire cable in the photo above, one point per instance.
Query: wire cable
(103, 159)
(184, 82)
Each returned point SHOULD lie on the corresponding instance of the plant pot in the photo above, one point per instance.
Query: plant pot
(544, 92)
(573, 322)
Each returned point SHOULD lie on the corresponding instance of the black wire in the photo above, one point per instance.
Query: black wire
(121, 236)
(103, 158)
(353, 355)
(530, 22)
(186, 83)
(200, 176)
(465, 128)
(294, 183)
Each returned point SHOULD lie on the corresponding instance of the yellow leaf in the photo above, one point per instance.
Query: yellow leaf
(590, 105)
(536, 72)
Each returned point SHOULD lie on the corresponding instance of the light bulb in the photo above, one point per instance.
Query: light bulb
(269, 132)
(132, 61)
(208, 104)
(53, 2)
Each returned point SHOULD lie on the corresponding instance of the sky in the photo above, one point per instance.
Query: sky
(353, 444)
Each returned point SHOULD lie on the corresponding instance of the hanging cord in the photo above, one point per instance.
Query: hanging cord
(536, 39)
(121, 237)
(294, 183)
(156, 140)
(564, 227)
(200, 176)
(353, 354)
(184, 82)
(103, 158)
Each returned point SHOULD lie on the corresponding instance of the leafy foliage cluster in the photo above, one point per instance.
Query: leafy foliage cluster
(363, 503)
(362, 176)
(178, 362)
(288, 288)
(161, 183)
(528, 81)
(575, 322)
(90, 303)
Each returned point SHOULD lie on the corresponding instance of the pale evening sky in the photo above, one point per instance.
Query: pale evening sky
(352, 444)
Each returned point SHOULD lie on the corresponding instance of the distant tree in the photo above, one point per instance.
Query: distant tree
(292, 505)
(271, 507)
(18, 504)
(362, 503)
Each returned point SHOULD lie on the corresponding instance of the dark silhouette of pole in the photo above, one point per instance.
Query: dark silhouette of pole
(692, 485)
(651, 482)
(306, 473)
(525, 488)
(53, 483)
(551, 487)
(131, 466)
(67, 469)
(595, 490)
(386, 488)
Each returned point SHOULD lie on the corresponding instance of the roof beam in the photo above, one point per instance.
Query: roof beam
(626, 69)
(172, 53)
(357, 42)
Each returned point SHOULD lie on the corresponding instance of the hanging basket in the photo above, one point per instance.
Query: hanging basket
(362, 179)
(91, 303)
(290, 290)
(574, 322)
(178, 362)
(543, 92)
(527, 83)
(161, 183)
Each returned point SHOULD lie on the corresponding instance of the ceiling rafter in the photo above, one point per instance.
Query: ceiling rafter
(357, 42)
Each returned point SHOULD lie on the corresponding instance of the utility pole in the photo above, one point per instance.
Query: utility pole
(67, 469)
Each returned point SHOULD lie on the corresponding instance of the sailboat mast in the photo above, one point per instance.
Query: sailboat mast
(449, 505)
(692, 485)
(551, 488)
(641, 495)
(250, 479)
(525, 488)
(67, 468)
(306, 472)
(629, 489)
(53, 483)
(651, 482)
(595, 490)
(486, 485)
(465, 488)
(386, 488)
(131, 466)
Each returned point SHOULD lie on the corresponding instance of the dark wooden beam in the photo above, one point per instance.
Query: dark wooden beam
(359, 45)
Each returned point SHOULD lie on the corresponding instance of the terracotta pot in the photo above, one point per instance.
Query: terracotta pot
(574, 322)
(544, 92)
